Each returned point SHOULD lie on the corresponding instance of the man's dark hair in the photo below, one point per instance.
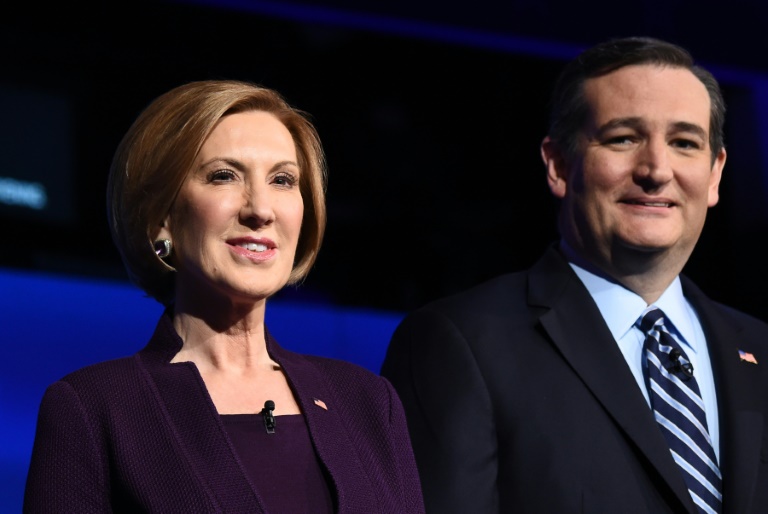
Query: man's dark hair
(569, 108)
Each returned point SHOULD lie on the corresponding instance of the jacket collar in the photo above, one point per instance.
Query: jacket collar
(198, 430)
(573, 322)
(329, 434)
(575, 325)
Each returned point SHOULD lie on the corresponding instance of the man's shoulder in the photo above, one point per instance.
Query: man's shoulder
(743, 320)
(547, 276)
(738, 320)
(499, 290)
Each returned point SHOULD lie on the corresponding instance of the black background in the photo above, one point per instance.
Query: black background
(435, 180)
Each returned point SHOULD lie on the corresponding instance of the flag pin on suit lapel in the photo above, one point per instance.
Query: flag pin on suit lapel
(747, 357)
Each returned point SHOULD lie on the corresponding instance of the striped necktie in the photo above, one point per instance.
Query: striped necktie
(679, 411)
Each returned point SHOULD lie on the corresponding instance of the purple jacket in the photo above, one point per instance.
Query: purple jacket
(142, 434)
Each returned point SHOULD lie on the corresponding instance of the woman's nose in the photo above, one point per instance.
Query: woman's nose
(257, 205)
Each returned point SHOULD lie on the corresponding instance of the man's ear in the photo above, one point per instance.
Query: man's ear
(714, 179)
(553, 158)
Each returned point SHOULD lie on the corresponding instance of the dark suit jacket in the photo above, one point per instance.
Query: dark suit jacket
(139, 434)
(519, 400)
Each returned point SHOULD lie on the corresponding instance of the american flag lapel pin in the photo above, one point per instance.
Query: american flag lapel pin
(747, 357)
(320, 403)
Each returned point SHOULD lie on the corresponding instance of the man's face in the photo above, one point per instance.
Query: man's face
(643, 177)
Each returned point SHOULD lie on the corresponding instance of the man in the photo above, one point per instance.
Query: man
(600, 380)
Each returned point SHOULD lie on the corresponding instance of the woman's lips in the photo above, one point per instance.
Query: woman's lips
(260, 249)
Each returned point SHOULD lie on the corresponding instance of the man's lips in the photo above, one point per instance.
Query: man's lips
(650, 203)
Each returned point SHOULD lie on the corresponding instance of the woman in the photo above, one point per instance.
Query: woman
(216, 201)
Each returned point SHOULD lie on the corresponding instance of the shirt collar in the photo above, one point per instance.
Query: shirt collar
(621, 307)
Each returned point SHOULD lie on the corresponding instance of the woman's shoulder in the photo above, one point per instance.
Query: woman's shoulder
(345, 378)
(96, 383)
(327, 366)
(88, 398)
(335, 367)
(107, 370)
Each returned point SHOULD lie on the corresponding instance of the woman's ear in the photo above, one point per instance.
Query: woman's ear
(162, 242)
(555, 163)
(163, 231)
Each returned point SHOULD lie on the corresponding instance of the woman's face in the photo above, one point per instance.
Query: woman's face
(236, 221)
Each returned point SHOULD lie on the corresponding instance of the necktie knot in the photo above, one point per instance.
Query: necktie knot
(652, 318)
(659, 341)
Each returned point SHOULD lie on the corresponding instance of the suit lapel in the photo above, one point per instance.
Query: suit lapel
(194, 424)
(330, 436)
(576, 327)
(741, 422)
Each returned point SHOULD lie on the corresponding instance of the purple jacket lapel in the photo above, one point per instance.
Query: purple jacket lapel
(197, 429)
(329, 434)
(195, 425)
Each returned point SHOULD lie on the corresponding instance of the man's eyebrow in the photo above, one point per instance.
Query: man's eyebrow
(634, 123)
(684, 126)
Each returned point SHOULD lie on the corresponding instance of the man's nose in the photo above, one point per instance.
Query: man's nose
(653, 166)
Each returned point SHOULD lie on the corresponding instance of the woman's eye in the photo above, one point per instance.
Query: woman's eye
(285, 179)
(221, 176)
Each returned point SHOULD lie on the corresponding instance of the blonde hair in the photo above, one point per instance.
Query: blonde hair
(158, 151)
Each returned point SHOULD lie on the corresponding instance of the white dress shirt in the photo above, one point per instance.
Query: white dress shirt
(621, 308)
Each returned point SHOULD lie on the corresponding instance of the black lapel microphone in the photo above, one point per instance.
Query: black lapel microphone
(686, 368)
(269, 417)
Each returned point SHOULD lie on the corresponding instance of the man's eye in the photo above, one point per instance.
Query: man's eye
(687, 144)
(620, 140)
